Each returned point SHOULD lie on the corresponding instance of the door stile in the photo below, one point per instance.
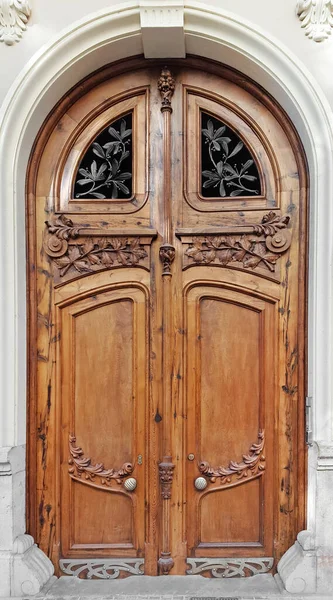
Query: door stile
(166, 86)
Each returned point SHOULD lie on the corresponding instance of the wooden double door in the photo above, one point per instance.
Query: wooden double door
(166, 213)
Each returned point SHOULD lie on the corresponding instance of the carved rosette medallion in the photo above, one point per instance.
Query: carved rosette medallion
(166, 468)
(77, 249)
(167, 256)
(252, 465)
(82, 468)
(249, 246)
(166, 87)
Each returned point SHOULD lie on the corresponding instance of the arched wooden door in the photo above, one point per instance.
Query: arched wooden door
(167, 277)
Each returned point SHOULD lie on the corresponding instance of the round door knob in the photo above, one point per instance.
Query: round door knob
(200, 483)
(190, 456)
(130, 484)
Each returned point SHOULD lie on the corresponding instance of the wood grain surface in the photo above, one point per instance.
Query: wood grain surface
(166, 330)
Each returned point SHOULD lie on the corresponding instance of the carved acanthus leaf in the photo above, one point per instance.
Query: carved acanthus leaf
(80, 466)
(251, 465)
(14, 15)
(316, 18)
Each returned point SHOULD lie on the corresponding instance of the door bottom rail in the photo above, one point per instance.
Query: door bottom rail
(100, 568)
(229, 567)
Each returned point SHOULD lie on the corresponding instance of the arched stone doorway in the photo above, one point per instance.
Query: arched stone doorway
(40, 87)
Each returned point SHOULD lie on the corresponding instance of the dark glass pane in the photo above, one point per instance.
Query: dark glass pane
(227, 166)
(106, 168)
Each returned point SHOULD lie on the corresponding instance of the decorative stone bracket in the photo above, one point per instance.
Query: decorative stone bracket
(31, 568)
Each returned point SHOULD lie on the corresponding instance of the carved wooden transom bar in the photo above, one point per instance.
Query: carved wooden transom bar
(77, 249)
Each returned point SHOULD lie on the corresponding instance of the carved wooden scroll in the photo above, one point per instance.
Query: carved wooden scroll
(253, 464)
(229, 567)
(77, 249)
(166, 86)
(105, 568)
(248, 246)
(81, 468)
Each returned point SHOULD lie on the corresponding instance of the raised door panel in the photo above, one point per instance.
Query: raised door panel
(230, 390)
(103, 397)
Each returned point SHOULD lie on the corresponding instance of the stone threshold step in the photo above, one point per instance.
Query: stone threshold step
(189, 587)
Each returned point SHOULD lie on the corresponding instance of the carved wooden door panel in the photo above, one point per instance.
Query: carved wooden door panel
(166, 252)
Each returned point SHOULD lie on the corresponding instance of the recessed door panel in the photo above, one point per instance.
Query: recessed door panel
(232, 515)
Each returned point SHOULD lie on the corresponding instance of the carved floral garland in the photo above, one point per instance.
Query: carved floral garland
(88, 253)
(252, 464)
(81, 465)
(246, 249)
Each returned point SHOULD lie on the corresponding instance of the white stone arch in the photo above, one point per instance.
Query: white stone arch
(99, 38)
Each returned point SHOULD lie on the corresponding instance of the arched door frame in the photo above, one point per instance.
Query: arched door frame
(117, 33)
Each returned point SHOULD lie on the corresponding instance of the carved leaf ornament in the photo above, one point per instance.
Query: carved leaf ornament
(316, 18)
(104, 252)
(80, 466)
(252, 464)
(88, 253)
(14, 15)
(246, 249)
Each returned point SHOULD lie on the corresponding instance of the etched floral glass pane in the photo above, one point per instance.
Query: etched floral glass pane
(106, 168)
(227, 166)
